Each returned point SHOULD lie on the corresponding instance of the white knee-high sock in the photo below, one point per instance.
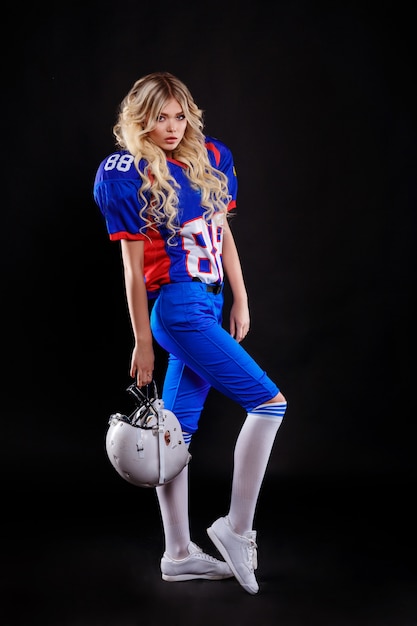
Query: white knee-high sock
(173, 504)
(251, 456)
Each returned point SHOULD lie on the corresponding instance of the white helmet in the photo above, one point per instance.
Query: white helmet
(147, 447)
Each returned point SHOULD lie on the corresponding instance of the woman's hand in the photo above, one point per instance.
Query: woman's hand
(142, 364)
(239, 320)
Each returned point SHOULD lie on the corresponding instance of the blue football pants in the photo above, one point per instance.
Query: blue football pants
(186, 321)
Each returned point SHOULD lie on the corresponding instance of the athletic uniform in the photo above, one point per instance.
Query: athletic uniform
(186, 282)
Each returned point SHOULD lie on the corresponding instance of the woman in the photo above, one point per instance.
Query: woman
(167, 194)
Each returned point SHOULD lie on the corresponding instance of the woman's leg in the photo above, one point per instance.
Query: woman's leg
(184, 394)
(233, 535)
(251, 456)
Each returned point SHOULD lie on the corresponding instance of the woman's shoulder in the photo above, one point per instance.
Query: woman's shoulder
(218, 149)
(117, 165)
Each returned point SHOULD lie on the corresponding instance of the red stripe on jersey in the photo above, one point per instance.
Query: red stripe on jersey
(157, 263)
(183, 165)
(215, 151)
(125, 235)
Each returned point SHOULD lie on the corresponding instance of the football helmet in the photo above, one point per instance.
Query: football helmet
(147, 447)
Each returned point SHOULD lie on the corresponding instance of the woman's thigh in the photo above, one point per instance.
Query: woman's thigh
(184, 393)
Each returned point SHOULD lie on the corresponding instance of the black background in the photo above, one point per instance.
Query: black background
(317, 102)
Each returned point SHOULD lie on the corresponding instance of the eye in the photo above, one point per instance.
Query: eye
(181, 117)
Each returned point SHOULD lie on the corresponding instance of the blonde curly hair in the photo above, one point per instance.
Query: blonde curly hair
(137, 117)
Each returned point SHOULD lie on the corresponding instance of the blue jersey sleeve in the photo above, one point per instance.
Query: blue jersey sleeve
(115, 191)
(221, 157)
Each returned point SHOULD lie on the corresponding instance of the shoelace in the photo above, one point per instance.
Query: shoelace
(197, 551)
(207, 557)
(252, 554)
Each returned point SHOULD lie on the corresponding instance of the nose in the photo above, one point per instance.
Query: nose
(172, 125)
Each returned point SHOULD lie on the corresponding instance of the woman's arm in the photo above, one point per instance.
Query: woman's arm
(239, 312)
(143, 358)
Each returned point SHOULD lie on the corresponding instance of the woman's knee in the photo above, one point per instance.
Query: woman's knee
(278, 398)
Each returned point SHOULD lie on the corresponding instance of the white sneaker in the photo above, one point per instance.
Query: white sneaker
(239, 551)
(197, 565)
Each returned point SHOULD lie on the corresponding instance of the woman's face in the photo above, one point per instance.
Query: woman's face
(170, 127)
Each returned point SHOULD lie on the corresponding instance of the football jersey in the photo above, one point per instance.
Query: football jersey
(197, 249)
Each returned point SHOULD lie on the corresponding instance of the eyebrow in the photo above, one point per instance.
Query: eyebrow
(180, 112)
